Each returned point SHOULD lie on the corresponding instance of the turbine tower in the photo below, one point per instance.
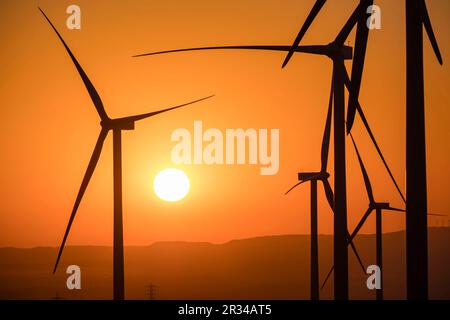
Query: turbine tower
(416, 176)
(116, 126)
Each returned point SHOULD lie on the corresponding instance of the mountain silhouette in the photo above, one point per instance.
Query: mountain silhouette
(272, 267)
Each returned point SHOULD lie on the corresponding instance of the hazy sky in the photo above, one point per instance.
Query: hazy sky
(49, 125)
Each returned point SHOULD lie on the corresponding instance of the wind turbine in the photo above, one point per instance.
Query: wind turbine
(378, 207)
(358, 17)
(337, 52)
(416, 178)
(313, 178)
(116, 126)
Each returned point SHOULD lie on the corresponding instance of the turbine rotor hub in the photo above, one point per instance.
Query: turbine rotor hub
(381, 205)
(336, 50)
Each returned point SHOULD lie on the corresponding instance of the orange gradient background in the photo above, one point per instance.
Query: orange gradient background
(49, 124)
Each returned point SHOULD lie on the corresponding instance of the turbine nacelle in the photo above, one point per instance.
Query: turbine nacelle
(380, 205)
(308, 176)
(117, 124)
(335, 50)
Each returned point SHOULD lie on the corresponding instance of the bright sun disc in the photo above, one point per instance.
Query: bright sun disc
(171, 184)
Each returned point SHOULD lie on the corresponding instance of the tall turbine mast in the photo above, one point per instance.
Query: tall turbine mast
(416, 177)
(116, 126)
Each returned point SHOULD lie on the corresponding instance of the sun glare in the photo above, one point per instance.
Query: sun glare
(171, 184)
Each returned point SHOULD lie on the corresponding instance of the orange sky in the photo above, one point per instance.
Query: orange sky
(49, 125)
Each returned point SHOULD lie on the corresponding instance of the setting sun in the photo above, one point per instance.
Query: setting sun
(171, 184)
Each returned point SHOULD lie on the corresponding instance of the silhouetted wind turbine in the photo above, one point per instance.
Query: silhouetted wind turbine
(340, 200)
(338, 52)
(116, 126)
(416, 179)
(378, 207)
(313, 178)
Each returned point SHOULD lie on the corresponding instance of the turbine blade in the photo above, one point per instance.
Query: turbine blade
(295, 186)
(309, 20)
(327, 132)
(319, 50)
(87, 177)
(429, 29)
(377, 147)
(361, 223)
(356, 253)
(327, 277)
(330, 196)
(372, 137)
(403, 210)
(362, 35)
(437, 215)
(88, 84)
(350, 24)
(357, 257)
(329, 193)
(154, 113)
(364, 172)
